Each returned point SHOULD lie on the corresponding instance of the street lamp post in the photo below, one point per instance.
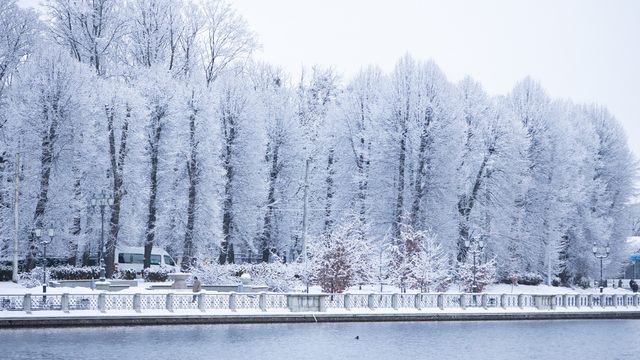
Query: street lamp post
(51, 231)
(467, 244)
(102, 201)
(607, 249)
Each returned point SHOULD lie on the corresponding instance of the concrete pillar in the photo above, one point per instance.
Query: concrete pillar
(463, 301)
(347, 301)
(552, 306)
(136, 302)
(232, 301)
(603, 301)
(521, 301)
(262, 301)
(578, 301)
(484, 301)
(170, 302)
(26, 303)
(64, 302)
(323, 304)
(565, 298)
(635, 300)
(441, 301)
(394, 301)
(503, 301)
(614, 300)
(371, 302)
(102, 303)
(417, 301)
(590, 300)
(201, 306)
(625, 300)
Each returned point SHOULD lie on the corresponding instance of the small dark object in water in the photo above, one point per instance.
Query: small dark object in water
(357, 337)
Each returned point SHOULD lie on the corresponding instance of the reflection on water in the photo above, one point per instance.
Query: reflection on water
(601, 339)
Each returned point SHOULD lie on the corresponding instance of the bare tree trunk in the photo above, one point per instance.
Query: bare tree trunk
(226, 253)
(46, 162)
(269, 217)
(192, 170)
(117, 165)
(154, 143)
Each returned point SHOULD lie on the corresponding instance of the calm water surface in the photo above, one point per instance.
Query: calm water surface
(561, 339)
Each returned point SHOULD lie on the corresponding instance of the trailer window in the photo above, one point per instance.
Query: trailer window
(124, 258)
(138, 258)
(168, 260)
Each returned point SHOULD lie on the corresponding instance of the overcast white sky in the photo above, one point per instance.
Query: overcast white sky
(586, 50)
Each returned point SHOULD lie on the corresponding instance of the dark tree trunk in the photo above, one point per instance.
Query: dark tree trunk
(423, 162)
(192, 171)
(117, 166)
(226, 253)
(269, 218)
(154, 143)
(328, 222)
(46, 162)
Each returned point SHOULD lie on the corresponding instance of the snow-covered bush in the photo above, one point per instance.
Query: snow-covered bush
(6, 273)
(530, 279)
(277, 276)
(74, 273)
(155, 275)
(32, 278)
(126, 274)
(485, 274)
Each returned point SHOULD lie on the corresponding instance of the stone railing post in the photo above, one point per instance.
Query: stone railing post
(590, 300)
(603, 300)
(441, 301)
(232, 301)
(484, 301)
(26, 303)
(201, 302)
(565, 298)
(463, 301)
(625, 300)
(136, 302)
(394, 301)
(64, 302)
(417, 301)
(503, 301)
(578, 301)
(262, 301)
(552, 306)
(521, 301)
(347, 301)
(614, 300)
(322, 306)
(169, 304)
(635, 300)
(371, 302)
(102, 303)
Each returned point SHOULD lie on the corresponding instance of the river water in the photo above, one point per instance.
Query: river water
(544, 339)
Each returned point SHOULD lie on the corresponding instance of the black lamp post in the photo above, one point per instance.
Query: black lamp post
(51, 231)
(607, 249)
(102, 200)
(467, 244)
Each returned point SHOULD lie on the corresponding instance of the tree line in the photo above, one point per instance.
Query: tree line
(203, 150)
